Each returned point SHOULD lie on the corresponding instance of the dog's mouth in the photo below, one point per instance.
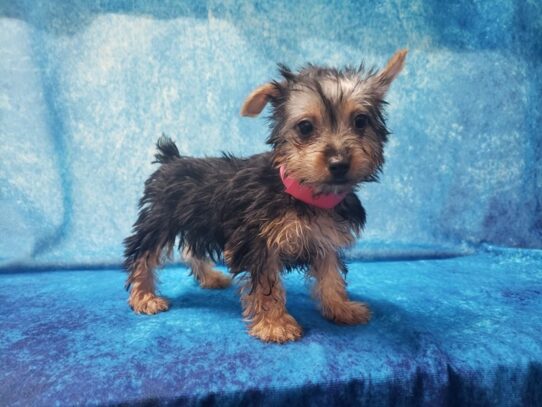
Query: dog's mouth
(334, 186)
(339, 181)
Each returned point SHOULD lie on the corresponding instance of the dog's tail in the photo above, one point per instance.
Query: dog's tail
(167, 150)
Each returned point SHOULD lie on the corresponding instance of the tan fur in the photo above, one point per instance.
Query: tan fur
(304, 162)
(394, 66)
(265, 309)
(350, 107)
(203, 271)
(256, 101)
(143, 299)
(227, 255)
(366, 156)
(330, 290)
(293, 237)
(303, 103)
(308, 161)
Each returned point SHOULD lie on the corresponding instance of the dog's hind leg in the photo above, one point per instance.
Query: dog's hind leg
(203, 272)
(143, 252)
(142, 283)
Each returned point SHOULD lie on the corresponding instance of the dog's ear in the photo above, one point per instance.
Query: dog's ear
(383, 79)
(256, 101)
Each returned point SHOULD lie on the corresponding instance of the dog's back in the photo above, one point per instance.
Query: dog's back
(191, 199)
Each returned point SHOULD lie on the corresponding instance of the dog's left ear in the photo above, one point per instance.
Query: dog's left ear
(383, 79)
(256, 101)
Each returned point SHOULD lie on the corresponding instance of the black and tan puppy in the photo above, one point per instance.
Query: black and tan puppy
(292, 207)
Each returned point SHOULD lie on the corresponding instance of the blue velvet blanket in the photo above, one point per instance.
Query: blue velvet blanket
(450, 260)
(461, 331)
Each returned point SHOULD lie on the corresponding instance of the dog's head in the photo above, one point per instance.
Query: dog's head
(328, 128)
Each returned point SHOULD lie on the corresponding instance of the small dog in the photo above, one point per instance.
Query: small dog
(292, 207)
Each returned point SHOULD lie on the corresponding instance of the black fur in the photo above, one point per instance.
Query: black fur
(215, 203)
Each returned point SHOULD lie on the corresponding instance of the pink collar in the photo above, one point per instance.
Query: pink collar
(306, 194)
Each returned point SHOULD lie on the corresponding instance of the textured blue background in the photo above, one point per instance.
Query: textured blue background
(86, 88)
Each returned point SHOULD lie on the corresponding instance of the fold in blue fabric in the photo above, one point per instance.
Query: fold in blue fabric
(87, 87)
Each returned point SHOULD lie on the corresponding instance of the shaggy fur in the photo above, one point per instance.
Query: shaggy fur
(328, 132)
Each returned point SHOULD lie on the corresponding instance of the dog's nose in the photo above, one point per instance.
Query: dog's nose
(338, 167)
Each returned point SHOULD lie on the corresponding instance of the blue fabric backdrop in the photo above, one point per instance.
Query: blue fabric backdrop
(86, 88)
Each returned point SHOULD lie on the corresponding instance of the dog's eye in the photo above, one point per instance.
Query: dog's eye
(305, 128)
(360, 121)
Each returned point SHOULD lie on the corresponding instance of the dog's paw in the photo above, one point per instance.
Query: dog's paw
(348, 313)
(215, 280)
(148, 304)
(280, 330)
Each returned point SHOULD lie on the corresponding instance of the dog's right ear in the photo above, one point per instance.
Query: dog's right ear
(256, 101)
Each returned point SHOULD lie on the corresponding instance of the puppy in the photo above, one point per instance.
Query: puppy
(293, 207)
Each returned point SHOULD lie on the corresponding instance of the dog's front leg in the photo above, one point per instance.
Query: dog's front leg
(264, 307)
(330, 290)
